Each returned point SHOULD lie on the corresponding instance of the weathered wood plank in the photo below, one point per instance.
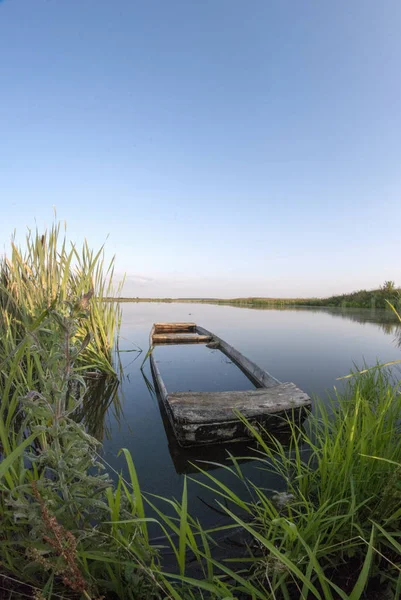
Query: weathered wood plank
(219, 407)
(174, 327)
(158, 378)
(180, 338)
(196, 434)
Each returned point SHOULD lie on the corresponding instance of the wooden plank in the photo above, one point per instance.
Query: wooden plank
(175, 327)
(206, 434)
(259, 376)
(219, 407)
(180, 338)
(158, 379)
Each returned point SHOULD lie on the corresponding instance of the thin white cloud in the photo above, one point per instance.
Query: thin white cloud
(139, 278)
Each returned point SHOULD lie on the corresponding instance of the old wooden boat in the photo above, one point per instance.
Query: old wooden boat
(213, 417)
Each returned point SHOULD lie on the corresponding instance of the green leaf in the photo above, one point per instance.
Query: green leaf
(8, 462)
(362, 580)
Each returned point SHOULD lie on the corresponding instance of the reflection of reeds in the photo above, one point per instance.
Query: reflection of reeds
(398, 337)
(148, 384)
(99, 396)
(386, 320)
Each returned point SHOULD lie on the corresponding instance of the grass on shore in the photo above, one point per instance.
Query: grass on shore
(70, 530)
(333, 533)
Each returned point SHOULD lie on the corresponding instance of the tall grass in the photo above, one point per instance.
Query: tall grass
(334, 531)
(46, 273)
(59, 509)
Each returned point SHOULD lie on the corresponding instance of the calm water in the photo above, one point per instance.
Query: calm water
(196, 367)
(311, 347)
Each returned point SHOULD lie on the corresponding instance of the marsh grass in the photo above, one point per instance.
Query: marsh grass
(59, 509)
(371, 299)
(332, 532)
(45, 273)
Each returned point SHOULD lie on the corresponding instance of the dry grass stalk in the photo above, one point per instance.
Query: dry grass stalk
(64, 545)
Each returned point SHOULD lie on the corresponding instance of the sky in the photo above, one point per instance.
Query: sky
(219, 147)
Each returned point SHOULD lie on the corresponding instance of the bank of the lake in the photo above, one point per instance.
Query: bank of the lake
(314, 513)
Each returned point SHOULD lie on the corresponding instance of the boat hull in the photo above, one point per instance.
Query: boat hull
(204, 418)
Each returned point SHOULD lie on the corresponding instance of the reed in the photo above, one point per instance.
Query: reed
(46, 273)
(331, 531)
(58, 507)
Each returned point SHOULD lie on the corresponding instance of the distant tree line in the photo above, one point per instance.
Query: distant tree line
(378, 298)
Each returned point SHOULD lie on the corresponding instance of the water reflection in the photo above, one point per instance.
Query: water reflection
(386, 320)
(361, 315)
(397, 339)
(103, 399)
(101, 394)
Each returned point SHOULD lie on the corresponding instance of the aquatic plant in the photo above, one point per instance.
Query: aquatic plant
(58, 507)
(332, 530)
(46, 273)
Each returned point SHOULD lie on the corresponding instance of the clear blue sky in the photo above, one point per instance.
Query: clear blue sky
(229, 148)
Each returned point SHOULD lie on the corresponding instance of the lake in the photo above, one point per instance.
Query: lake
(310, 347)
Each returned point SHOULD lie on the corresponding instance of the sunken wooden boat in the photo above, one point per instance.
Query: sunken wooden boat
(214, 417)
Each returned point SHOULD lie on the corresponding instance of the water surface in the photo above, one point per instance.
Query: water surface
(197, 368)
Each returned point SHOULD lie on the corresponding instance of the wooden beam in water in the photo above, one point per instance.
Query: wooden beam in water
(219, 407)
(175, 327)
(260, 377)
(180, 338)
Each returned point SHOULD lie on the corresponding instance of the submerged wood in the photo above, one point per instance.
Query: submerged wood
(175, 327)
(257, 375)
(180, 338)
(214, 417)
(187, 459)
(202, 407)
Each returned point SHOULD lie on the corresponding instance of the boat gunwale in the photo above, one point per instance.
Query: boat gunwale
(256, 375)
(259, 376)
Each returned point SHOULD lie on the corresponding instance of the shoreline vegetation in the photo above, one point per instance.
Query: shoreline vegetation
(72, 528)
(377, 298)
